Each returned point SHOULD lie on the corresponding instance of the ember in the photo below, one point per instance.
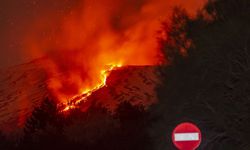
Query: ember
(83, 45)
(82, 97)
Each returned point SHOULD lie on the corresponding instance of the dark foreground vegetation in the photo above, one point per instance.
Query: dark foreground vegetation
(95, 129)
(206, 81)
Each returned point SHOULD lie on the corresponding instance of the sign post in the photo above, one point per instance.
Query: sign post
(186, 136)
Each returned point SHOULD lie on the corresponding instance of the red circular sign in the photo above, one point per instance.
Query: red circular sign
(186, 136)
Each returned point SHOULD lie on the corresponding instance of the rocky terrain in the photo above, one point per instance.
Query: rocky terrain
(23, 87)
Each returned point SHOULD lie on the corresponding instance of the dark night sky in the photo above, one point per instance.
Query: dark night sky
(16, 16)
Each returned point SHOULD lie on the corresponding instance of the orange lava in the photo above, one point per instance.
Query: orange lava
(83, 44)
(82, 97)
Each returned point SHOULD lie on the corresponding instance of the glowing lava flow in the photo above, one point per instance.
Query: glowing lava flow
(82, 97)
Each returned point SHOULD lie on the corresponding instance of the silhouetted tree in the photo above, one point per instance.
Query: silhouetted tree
(46, 113)
(211, 85)
(5, 143)
(173, 40)
(44, 127)
(95, 128)
(133, 131)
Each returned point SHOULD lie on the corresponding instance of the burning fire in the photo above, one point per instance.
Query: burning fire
(82, 97)
(81, 42)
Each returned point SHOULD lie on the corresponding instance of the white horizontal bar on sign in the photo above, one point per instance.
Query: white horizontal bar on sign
(186, 136)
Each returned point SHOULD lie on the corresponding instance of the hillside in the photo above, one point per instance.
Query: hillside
(23, 87)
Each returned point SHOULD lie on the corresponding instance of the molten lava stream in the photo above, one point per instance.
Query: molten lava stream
(82, 97)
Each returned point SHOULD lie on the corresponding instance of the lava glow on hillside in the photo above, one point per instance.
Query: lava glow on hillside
(82, 97)
(85, 42)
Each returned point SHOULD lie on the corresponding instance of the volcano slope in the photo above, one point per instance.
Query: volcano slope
(23, 88)
(133, 84)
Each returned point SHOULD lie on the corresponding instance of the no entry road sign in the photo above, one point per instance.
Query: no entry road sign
(186, 136)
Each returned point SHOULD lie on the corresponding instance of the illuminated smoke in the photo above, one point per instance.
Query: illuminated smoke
(95, 35)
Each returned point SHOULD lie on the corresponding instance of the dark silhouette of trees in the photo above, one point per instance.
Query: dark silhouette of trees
(124, 129)
(133, 132)
(174, 42)
(210, 85)
(5, 143)
(96, 128)
(42, 116)
(92, 129)
(44, 127)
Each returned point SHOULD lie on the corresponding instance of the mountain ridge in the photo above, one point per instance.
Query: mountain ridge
(23, 87)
